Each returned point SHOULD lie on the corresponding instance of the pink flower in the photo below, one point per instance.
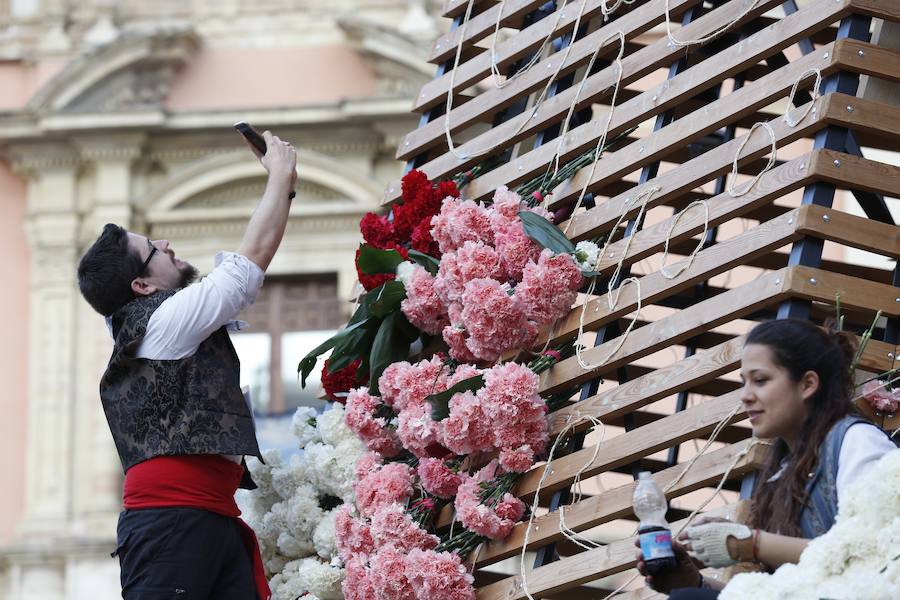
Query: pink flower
(482, 519)
(388, 577)
(422, 306)
(357, 584)
(511, 404)
(368, 462)
(517, 460)
(352, 536)
(455, 337)
(403, 384)
(881, 399)
(554, 354)
(439, 576)
(460, 221)
(549, 287)
(392, 525)
(416, 429)
(467, 429)
(373, 431)
(437, 478)
(391, 483)
(494, 322)
(473, 260)
(515, 248)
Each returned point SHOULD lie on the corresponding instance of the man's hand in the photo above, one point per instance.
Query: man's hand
(280, 159)
(684, 574)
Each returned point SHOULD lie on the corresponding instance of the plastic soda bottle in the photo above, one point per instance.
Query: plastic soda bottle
(655, 536)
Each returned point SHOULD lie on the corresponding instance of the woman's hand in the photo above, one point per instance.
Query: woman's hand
(684, 574)
(718, 542)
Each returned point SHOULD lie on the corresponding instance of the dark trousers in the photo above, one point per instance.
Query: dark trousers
(182, 554)
(693, 594)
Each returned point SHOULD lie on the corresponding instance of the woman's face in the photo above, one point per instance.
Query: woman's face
(775, 404)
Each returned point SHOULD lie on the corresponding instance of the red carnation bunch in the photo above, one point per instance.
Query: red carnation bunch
(337, 384)
(370, 282)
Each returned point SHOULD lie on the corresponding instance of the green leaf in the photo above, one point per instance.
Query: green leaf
(308, 363)
(440, 402)
(354, 345)
(386, 298)
(391, 344)
(430, 263)
(372, 260)
(545, 233)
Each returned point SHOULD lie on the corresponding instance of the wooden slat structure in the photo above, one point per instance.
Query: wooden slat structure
(781, 248)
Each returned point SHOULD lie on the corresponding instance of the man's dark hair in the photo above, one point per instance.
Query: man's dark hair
(107, 269)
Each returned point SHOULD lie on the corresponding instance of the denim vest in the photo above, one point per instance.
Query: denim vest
(821, 490)
(192, 405)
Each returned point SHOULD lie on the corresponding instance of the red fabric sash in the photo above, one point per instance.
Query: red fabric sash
(204, 481)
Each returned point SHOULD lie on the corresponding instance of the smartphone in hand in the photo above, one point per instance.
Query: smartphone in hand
(256, 140)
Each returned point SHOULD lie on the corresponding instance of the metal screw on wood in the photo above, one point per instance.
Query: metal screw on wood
(520, 167)
(826, 55)
(861, 53)
(777, 282)
(896, 299)
(826, 218)
(813, 281)
(837, 163)
(849, 109)
(791, 221)
(641, 149)
(891, 355)
(655, 98)
(803, 167)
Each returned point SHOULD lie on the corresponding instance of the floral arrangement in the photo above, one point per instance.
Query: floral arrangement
(452, 286)
(859, 556)
(294, 508)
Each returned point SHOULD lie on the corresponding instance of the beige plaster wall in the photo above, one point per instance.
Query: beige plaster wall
(14, 261)
(223, 78)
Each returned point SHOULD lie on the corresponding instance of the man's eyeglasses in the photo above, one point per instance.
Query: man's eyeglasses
(153, 250)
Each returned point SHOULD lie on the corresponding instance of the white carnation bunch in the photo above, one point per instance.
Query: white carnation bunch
(293, 509)
(859, 557)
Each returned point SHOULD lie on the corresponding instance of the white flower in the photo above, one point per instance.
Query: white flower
(304, 425)
(331, 427)
(320, 579)
(586, 254)
(287, 477)
(323, 536)
(405, 272)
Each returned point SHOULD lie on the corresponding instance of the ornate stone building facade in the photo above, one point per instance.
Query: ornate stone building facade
(121, 112)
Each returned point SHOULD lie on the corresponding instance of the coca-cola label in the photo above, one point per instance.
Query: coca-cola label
(656, 544)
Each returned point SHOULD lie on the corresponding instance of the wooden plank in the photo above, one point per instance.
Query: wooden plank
(697, 171)
(709, 262)
(733, 304)
(869, 59)
(584, 567)
(816, 284)
(529, 39)
(855, 172)
(616, 503)
(453, 8)
(481, 25)
(634, 66)
(624, 449)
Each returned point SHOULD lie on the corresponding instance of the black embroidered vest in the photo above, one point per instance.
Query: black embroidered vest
(192, 405)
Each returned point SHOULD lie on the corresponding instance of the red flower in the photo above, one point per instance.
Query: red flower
(444, 189)
(405, 220)
(411, 183)
(377, 231)
(370, 282)
(422, 240)
(342, 380)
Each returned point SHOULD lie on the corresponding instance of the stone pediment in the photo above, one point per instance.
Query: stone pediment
(133, 72)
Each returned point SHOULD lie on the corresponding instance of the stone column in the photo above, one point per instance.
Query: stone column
(51, 228)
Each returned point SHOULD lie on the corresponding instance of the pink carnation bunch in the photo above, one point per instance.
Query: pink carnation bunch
(881, 399)
(403, 384)
(548, 287)
(357, 584)
(387, 574)
(438, 576)
(493, 522)
(417, 431)
(494, 322)
(437, 478)
(352, 535)
(373, 431)
(386, 485)
(473, 260)
(467, 429)
(422, 306)
(392, 525)
(460, 221)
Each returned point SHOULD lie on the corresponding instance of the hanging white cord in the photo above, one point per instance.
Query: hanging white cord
(697, 248)
(815, 96)
(537, 104)
(673, 41)
(732, 191)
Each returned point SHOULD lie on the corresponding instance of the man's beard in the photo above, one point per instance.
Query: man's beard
(188, 275)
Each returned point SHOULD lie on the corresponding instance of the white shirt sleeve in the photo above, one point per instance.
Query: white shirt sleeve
(861, 448)
(181, 323)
